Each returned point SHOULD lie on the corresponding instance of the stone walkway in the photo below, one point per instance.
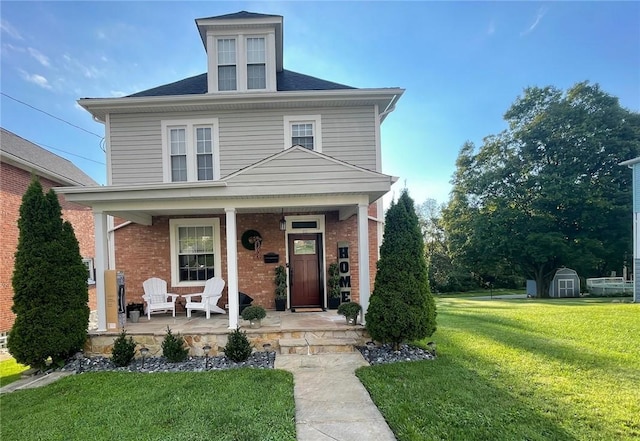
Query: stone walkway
(331, 403)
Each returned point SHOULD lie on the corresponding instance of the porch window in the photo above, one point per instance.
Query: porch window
(195, 250)
(303, 130)
(190, 150)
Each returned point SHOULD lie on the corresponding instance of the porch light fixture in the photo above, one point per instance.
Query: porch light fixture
(283, 222)
(206, 348)
(143, 351)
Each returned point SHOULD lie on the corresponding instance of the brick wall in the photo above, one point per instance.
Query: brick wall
(13, 183)
(144, 251)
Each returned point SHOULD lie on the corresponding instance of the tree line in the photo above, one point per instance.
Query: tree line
(547, 192)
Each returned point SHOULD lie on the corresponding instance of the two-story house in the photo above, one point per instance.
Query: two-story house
(201, 169)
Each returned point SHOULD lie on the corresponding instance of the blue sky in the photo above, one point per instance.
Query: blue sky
(462, 64)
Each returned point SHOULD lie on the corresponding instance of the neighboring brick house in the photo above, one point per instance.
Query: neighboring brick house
(634, 165)
(199, 167)
(19, 161)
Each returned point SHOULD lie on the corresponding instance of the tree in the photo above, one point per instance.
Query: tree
(49, 284)
(548, 191)
(401, 307)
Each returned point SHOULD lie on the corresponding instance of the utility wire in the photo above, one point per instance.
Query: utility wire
(68, 153)
(52, 116)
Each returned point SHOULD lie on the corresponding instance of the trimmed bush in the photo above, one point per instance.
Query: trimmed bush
(401, 307)
(173, 347)
(49, 284)
(253, 313)
(350, 309)
(238, 347)
(123, 350)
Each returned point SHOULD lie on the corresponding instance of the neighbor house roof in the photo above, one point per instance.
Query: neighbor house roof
(286, 81)
(29, 156)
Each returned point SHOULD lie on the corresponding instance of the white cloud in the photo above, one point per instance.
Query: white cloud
(36, 79)
(42, 59)
(541, 13)
(8, 28)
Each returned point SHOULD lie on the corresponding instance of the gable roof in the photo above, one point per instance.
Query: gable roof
(29, 156)
(239, 15)
(286, 81)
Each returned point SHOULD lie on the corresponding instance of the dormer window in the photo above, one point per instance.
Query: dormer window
(227, 74)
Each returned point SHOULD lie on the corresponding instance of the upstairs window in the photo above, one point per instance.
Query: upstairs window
(227, 64)
(190, 150)
(302, 134)
(256, 64)
(303, 130)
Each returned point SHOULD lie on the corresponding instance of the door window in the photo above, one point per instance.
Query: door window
(301, 247)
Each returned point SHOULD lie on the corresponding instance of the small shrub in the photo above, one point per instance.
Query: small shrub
(350, 309)
(173, 347)
(238, 347)
(123, 349)
(254, 313)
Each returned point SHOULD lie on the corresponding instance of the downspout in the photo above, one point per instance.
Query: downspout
(390, 108)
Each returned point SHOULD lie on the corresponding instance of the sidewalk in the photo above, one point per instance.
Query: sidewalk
(331, 403)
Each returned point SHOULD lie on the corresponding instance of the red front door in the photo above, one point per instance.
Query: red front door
(305, 252)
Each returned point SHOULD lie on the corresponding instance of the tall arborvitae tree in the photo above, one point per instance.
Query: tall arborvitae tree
(49, 284)
(401, 307)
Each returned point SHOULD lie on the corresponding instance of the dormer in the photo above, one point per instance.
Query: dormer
(244, 51)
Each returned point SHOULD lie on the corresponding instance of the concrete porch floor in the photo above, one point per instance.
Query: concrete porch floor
(286, 332)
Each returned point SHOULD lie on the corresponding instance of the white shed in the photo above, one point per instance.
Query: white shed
(565, 283)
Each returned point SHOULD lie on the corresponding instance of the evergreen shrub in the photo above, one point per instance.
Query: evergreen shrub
(401, 307)
(238, 347)
(49, 284)
(173, 347)
(124, 349)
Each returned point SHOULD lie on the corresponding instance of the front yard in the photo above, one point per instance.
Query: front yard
(519, 369)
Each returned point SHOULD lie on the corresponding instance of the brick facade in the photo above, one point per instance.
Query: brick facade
(144, 251)
(14, 182)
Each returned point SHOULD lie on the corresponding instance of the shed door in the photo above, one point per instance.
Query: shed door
(565, 287)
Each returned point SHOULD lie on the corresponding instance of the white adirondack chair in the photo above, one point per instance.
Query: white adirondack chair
(208, 298)
(157, 297)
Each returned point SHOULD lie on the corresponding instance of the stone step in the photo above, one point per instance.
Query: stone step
(314, 345)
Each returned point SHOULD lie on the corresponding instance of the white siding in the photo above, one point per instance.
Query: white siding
(246, 137)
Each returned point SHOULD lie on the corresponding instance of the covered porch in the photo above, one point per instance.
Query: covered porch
(284, 332)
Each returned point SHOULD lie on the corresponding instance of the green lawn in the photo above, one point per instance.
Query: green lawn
(234, 405)
(10, 371)
(519, 370)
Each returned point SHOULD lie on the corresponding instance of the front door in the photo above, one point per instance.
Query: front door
(305, 255)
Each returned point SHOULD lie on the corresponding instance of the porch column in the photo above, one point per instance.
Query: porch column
(232, 267)
(363, 257)
(101, 262)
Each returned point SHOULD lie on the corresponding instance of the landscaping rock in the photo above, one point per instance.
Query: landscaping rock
(382, 354)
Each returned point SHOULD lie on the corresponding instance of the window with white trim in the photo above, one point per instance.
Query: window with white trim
(190, 150)
(303, 130)
(227, 72)
(195, 250)
(88, 262)
(256, 63)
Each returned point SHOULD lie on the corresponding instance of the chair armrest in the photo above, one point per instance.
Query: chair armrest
(173, 297)
(189, 296)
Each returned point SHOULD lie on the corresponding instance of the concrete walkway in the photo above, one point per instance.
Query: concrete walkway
(331, 403)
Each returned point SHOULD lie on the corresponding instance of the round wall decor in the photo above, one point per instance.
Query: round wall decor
(248, 239)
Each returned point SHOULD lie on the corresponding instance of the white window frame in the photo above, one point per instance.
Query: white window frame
(241, 61)
(190, 126)
(174, 225)
(91, 271)
(315, 120)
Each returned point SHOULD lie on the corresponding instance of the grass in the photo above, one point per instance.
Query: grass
(480, 293)
(238, 405)
(10, 371)
(519, 370)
